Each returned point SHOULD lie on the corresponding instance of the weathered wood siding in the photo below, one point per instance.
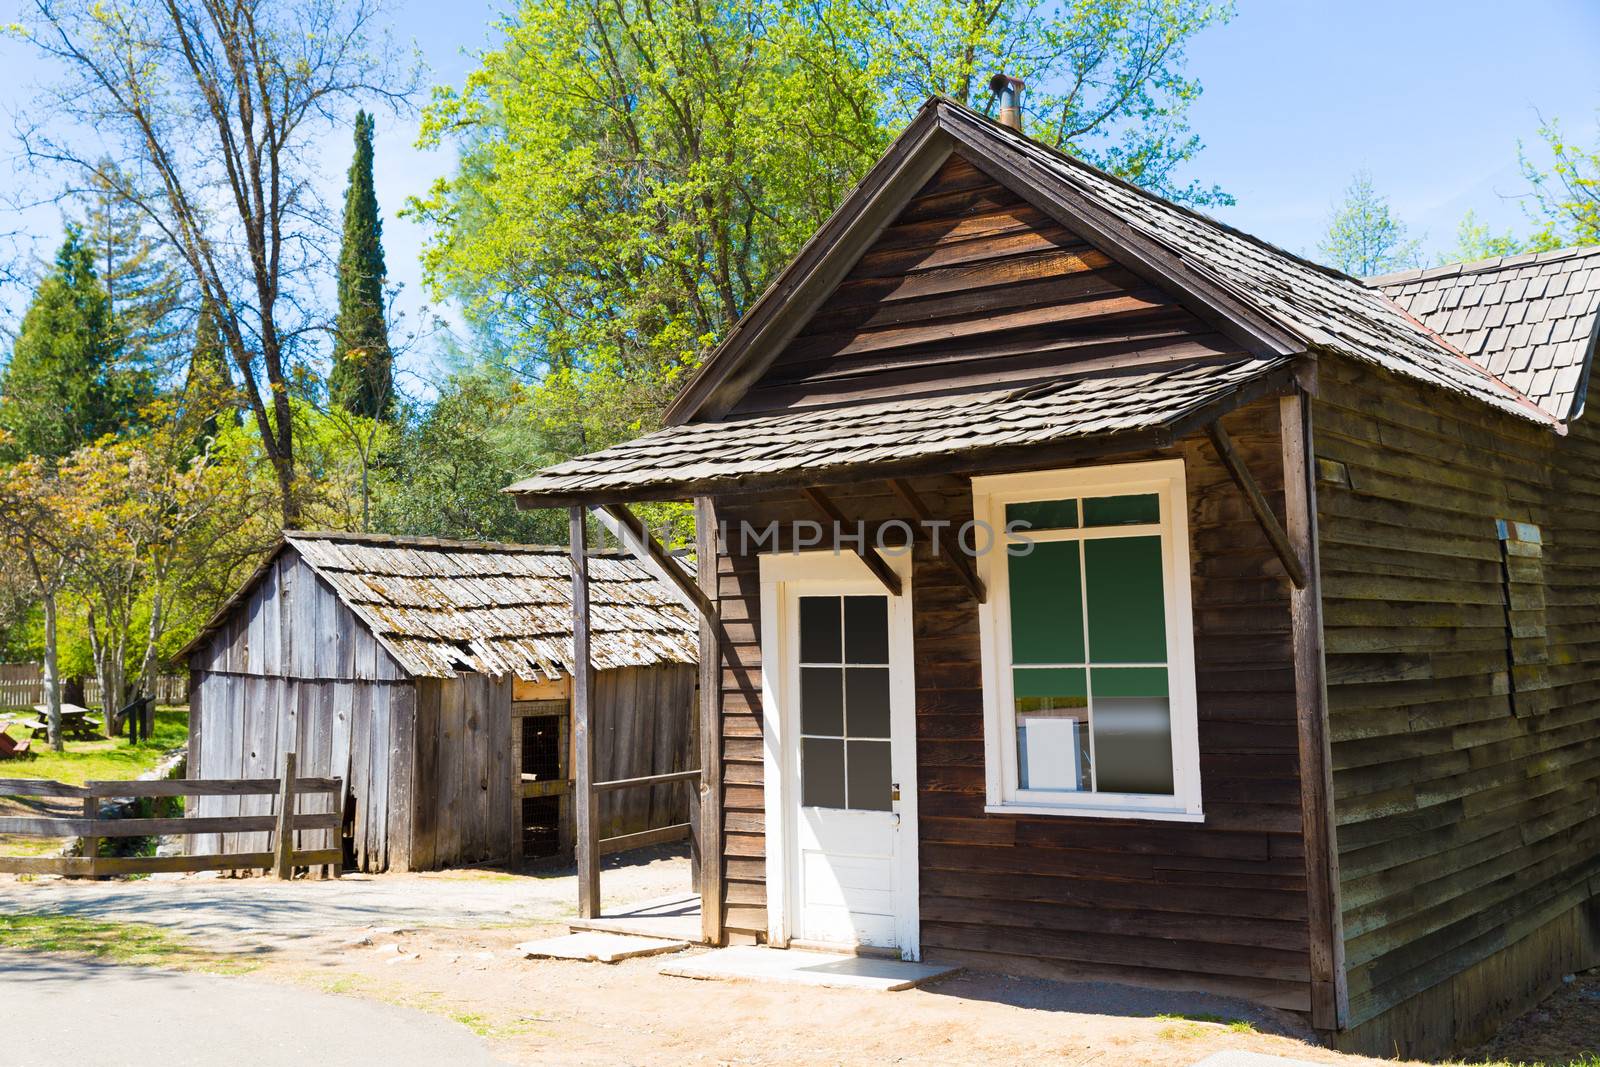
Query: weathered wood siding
(971, 286)
(1466, 825)
(461, 806)
(1219, 905)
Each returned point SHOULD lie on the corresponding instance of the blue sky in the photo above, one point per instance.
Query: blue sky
(1431, 97)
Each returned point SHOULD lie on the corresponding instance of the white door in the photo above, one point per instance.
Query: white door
(845, 742)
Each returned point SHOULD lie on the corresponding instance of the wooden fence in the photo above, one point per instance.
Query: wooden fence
(282, 858)
(22, 686)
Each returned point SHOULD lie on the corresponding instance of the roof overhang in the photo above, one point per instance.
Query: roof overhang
(1068, 419)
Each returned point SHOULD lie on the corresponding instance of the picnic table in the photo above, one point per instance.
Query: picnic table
(76, 722)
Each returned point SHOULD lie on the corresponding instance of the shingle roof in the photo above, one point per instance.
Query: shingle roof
(1323, 307)
(815, 441)
(442, 607)
(1531, 319)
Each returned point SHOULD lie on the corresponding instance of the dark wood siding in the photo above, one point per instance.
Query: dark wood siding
(971, 286)
(1219, 905)
(1465, 825)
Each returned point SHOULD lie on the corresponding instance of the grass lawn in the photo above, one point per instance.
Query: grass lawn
(139, 944)
(104, 759)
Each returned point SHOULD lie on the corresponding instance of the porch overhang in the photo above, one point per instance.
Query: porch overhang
(1050, 423)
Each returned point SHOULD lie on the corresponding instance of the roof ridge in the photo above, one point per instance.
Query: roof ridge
(1479, 266)
(438, 543)
(1195, 213)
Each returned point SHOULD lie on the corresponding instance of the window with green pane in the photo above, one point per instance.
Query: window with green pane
(1088, 631)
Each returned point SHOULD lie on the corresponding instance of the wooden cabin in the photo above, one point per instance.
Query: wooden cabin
(434, 677)
(1248, 639)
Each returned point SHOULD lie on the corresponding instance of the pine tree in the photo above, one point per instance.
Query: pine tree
(70, 380)
(142, 283)
(363, 371)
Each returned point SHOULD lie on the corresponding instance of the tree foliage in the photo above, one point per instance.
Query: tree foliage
(1364, 237)
(362, 379)
(1475, 241)
(1565, 200)
(210, 110)
(72, 377)
(631, 176)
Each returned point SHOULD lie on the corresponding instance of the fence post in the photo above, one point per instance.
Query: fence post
(91, 845)
(284, 867)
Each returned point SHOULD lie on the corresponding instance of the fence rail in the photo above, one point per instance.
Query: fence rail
(22, 686)
(282, 858)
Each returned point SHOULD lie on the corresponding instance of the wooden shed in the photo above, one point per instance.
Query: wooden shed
(1101, 592)
(435, 678)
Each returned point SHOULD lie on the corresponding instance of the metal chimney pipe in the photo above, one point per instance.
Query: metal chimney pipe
(1010, 92)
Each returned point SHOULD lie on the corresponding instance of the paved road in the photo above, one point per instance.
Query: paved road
(71, 1011)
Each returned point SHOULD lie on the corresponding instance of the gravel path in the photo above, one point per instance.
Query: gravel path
(48, 998)
(232, 909)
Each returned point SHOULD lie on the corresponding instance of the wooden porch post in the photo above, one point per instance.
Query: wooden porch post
(585, 800)
(710, 798)
(1330, 998)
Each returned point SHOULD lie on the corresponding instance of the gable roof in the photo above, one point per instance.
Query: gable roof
(443, 607)
(1273, 301)
(1532, 319)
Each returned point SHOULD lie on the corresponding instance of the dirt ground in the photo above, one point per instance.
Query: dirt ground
(443, 943)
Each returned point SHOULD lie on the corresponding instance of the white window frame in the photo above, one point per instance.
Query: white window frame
(990, 496)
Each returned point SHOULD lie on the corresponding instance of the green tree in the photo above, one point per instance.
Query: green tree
(1107, 78)
(143, 285)
(1475, 241)
(363, 372)
(1565, 200)
(1364, 238)
(631, 176)
(70, 380)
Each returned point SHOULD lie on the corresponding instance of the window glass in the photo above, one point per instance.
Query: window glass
(1083, 723)
(844, 703)
(1044, 514)
(870, 788)
(820, 632)
(1047, 604)
(822, 701)
(1122, 510)
(822, 772)
(866, 629)
(1127, 613)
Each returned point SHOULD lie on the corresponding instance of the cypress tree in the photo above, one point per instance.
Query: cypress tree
(363, 371)
(70, 380)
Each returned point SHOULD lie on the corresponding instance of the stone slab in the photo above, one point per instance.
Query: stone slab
(598, 946)
(797, 967)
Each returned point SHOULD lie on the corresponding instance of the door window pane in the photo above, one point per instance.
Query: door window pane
(867, 697)
(870, 776)
(866, 629)
(820, 633)
(822, 701)
(1047, 604)
(822, 772)
(1127, 613)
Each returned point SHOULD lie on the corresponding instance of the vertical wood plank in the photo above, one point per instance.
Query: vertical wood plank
(586, 810)
(1330, 1003)
(425, 776)
(283, 846)
(402, 776)
(710, 724)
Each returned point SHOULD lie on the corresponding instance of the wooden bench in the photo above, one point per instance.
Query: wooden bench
(11, 748)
